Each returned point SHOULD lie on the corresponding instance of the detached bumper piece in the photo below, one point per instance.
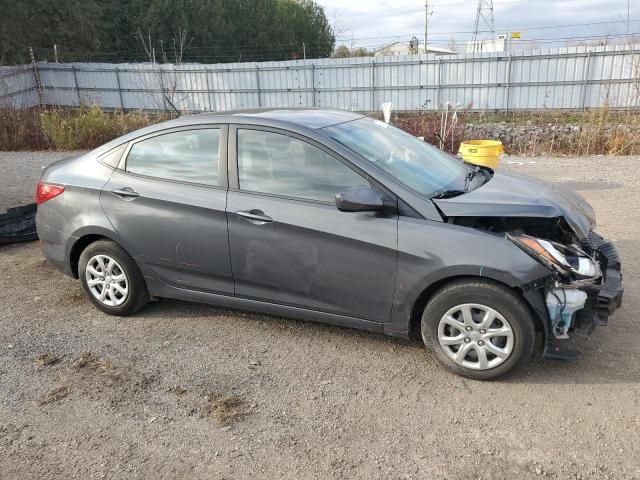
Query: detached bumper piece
(18, 225)
(604, 299)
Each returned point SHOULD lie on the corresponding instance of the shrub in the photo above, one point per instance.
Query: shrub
(20, 130)
(90, 127)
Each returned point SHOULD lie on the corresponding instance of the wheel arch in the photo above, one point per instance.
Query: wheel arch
(83, 241)
(415, 317)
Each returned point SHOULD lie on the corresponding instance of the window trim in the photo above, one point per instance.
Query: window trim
(101, 158)
(222, 154)
(234, 180)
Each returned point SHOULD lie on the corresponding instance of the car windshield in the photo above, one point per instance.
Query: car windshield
(409, 160)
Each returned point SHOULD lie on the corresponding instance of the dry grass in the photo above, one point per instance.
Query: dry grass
(20, 130)
(89, 127)
(54, 395)
(224, 409)
(90, 361)
(46, 359)
(599, 131)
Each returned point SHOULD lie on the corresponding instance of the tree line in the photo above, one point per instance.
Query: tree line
(164, 30)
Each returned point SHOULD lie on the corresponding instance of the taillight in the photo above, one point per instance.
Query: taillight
(46, 191)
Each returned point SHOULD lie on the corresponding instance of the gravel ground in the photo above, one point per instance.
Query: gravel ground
(19, 173)
(184, 390)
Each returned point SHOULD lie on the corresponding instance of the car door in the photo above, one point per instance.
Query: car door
(290, 244)
(167, 202)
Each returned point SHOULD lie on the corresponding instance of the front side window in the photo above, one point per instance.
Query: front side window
(281, 165)
(187, 156)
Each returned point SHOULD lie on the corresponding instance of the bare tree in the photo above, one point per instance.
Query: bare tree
(167, 81)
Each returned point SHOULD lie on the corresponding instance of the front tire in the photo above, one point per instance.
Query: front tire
(478, 329)
(111, 279)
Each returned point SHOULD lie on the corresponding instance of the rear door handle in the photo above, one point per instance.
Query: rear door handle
(126, 192)
(255, 216)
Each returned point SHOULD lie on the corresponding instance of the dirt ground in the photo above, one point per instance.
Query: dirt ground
(189, 391)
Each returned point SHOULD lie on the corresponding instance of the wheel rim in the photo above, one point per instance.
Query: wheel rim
(107, 280)
(475, 336)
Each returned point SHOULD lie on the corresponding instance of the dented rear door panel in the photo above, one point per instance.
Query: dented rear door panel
(179, 230)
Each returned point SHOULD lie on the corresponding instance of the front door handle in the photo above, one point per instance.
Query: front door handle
(255, 216)
(126, 192)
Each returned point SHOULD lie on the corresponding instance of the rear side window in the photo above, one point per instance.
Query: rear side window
(114, 156)
(187, 156)
(281, 165)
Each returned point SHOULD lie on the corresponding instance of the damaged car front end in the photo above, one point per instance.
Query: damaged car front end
(583, 290)
(555, 227)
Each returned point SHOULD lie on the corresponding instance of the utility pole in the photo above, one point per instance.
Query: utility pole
(426, 25)
(55, 52)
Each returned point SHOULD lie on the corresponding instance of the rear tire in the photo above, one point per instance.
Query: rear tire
(478, 329)
(111, 279)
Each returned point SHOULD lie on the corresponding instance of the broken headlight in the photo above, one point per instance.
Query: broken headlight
(567, 260)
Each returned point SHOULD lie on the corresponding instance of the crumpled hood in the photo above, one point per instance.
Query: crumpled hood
(509, 195)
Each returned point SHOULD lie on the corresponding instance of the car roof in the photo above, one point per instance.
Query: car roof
(289, 118)
(313, 118)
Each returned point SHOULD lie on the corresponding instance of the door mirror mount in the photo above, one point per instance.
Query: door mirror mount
(359, 199)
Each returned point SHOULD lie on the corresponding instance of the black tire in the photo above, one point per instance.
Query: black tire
(500, 298)
(137, 296)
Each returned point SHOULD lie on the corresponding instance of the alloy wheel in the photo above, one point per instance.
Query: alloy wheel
(107, 280)
(475, 336)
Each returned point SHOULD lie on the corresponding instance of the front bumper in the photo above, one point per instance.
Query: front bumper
(602, 300)
(606, 298)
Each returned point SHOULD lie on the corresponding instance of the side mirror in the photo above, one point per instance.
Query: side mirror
(358, 199)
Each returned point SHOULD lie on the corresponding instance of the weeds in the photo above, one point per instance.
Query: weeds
(101, 366)
(596, 132)
(46, 359)
(20, 130)
(599, 131)
(54, 395)
(224, 409)
(90, 127)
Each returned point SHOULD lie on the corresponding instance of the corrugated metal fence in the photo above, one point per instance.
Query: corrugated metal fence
(18, 87)
(567, 78)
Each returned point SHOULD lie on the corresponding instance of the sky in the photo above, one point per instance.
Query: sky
(373, 23)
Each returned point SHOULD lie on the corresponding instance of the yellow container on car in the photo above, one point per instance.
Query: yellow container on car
(485, 153)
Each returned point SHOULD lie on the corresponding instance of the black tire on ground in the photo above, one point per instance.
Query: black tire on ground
(490, 294)
(137, 296)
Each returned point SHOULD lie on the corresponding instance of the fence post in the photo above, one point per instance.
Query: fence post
(313, 83)
(439, 76)
(36, 75)
(258, 85)
(373, 85)
(75, 79)
(585, 80)
(508, 84)
(206, 78)
(119, 88)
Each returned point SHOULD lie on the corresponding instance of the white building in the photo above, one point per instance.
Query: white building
(487, 46)
(404, 48)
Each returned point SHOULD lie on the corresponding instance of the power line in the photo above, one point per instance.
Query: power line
(520, 29)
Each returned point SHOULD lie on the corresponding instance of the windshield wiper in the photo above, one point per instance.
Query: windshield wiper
(470, 175)
(449, 193)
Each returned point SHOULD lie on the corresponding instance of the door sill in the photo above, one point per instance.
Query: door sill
(166, 291)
